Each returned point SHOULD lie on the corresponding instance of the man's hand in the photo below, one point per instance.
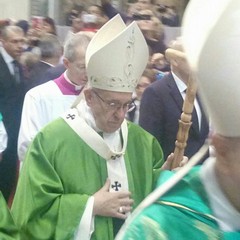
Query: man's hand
(168, 163)
(112, 204)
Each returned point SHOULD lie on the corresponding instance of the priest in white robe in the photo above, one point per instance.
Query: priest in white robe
(48, 101)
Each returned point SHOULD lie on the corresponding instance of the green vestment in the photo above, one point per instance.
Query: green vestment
(8, 230)
(61, 172)
(181, 214)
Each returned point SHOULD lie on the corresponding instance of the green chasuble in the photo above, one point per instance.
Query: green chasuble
(181, 214)
(8, 230)
(61, 172)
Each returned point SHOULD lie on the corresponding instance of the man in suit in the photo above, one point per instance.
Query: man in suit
(54, 72)
(161, 108)
(11, 100)
(50, 51)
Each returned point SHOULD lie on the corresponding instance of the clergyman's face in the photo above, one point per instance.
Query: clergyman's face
(227, 151)
(76, 70)
(107, 117)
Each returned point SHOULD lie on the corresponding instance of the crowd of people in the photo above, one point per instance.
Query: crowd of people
(88, 127)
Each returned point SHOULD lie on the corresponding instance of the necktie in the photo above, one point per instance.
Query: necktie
(16, 71)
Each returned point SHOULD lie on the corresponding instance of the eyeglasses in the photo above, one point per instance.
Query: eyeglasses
(114, 106)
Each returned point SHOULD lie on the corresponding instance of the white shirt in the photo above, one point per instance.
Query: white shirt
(182, 87)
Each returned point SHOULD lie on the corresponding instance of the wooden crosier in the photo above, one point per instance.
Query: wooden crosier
(187, 109)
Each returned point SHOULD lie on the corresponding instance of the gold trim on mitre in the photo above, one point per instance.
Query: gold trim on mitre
(116, 57)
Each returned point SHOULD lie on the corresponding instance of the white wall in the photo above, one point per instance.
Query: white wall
(14, 9)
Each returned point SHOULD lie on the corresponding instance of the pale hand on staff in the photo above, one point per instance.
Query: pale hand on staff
(112, 204)
(168, 163)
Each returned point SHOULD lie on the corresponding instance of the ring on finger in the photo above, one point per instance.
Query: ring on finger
(120, 210)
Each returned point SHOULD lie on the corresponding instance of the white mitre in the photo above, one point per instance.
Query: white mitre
(116, 56)
(211, 39)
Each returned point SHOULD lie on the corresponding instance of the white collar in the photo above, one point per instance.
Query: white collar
(84, 125)
(227, 216)
(77, 87)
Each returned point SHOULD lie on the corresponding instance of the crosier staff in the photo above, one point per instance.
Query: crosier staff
(178, 59)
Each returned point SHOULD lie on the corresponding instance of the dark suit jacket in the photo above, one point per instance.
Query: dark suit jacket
(161, 107)
(36, 74)
(53, 73)
(11, 101)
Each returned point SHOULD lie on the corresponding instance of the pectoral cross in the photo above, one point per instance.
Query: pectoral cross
(116, 185)
(72, 116)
